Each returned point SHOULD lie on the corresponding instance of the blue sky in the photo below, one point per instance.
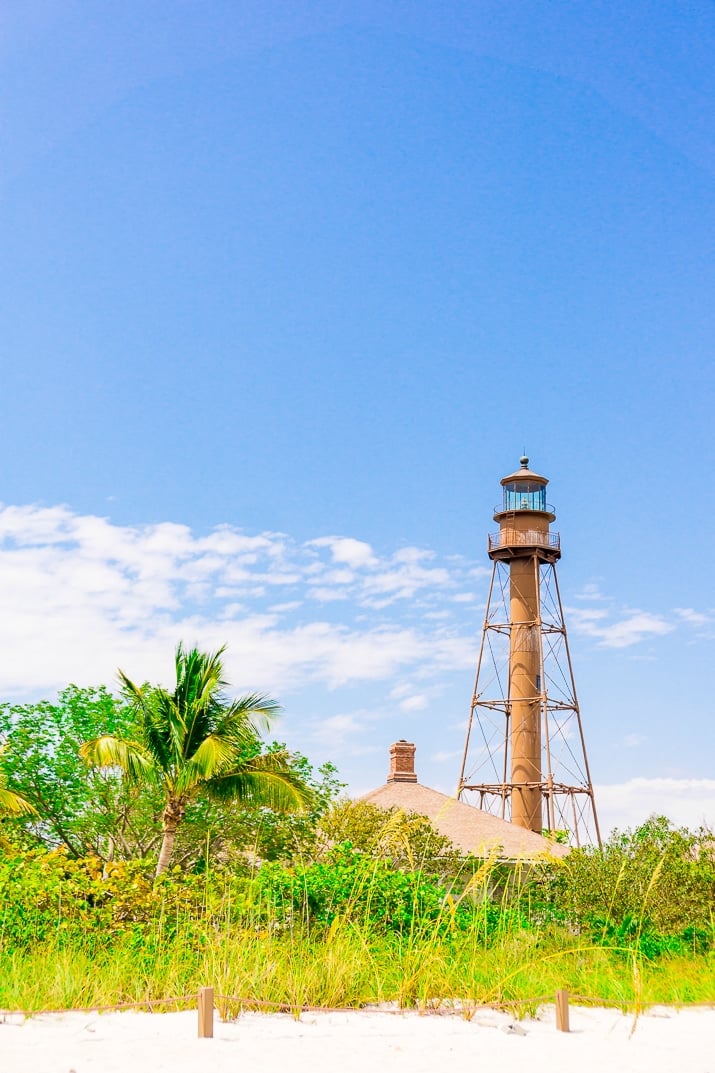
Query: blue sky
(286, 288)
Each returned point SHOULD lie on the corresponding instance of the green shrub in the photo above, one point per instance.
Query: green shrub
(347, 883)
(652, 888)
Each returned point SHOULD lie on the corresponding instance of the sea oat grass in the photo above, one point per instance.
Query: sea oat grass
(343, 967)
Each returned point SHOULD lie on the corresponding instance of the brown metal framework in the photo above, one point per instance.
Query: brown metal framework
(565, 784)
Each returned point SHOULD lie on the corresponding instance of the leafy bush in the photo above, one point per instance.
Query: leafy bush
(652, 888)
(87, 812)
(47, 895)
(351, 885)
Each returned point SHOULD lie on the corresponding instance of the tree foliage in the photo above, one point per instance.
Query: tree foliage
(406, 839)
(87, 812)
(13, 803)
(98, 813)
(194, 742)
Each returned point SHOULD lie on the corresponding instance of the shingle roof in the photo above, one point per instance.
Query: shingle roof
(470, 829)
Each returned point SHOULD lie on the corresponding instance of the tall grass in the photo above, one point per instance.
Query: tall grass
(346, 966)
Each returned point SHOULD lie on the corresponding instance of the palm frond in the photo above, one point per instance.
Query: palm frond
(256, 710)
(133, 759)
(214, 756)
(14, 804)
(163, 732)
(267, 781)
(244, 719)
(232, 744)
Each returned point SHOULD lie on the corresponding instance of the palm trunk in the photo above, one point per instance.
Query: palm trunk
(173, 814)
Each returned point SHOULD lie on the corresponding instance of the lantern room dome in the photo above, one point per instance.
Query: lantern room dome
(525, 474)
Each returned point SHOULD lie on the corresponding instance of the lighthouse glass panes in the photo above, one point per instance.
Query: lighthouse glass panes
(525, 756)
(524, 495)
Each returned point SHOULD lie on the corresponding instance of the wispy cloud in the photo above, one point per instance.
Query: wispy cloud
(590, 591)
(702, 621)
(408, 698)
(635, 627)
(355, 553)
(611, 631)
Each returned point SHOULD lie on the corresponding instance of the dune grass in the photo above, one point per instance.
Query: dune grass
(345, 965)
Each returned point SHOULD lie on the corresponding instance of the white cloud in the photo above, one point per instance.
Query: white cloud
(590, 591)
(334, 731)
(585, 620)
(347, 550)
(636, 627)
(695, 618)
(631, 629)
(415, 703)
(82, 596)
(347, 733)
(403, 580)
(324, 595)
(687, 802)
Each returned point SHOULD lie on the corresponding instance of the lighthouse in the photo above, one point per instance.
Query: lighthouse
(525, 754)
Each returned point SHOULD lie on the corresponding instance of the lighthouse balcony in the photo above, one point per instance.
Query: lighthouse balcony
(510, 542)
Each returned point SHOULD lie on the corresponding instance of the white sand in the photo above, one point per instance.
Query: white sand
(600, 1041)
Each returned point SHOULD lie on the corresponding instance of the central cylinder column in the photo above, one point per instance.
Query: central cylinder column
(524, 690)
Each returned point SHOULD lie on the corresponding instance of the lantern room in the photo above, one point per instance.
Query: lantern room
(524, 490)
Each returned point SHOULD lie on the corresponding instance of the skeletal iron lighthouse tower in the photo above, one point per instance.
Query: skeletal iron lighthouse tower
(525, 754)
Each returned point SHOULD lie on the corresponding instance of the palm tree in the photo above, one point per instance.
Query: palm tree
(195, 741)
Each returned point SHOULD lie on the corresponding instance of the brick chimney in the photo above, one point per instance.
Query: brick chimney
(402, 762)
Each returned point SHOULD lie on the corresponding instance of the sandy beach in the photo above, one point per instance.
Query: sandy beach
(662, 1041)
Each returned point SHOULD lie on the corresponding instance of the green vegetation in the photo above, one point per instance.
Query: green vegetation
(283, 894)
(345, 929)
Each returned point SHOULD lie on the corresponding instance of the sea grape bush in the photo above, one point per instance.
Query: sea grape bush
(611, 897)
(51, 894)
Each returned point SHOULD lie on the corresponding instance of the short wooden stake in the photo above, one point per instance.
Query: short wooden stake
(206, 1013)
(562, 1011)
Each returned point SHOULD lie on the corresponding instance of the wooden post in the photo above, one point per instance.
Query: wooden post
(206, 1012)
(562, 1011)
